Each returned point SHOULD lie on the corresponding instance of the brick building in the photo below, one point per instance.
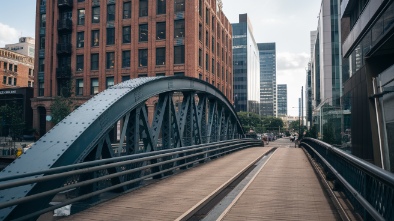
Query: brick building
(16, 70)
(84, 47)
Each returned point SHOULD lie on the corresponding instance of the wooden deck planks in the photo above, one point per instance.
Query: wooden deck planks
(171, 197)
(286, 189)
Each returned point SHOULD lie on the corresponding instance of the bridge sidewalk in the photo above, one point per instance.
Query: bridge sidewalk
(285, 189)
(171, 197)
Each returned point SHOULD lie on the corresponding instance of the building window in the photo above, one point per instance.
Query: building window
(200, 57)
(43, 20)
(125, 78)
(10, 80)
(109, 82)
(179, 28)
(160, 56)
(179, 73)
(29, 84)
(207, 16)
(126, 10)
(142, 75)
(96, 14)
(200, 32)
(126, 34)
(143, 8)
(206, 62)
(81, 17)
(30, 72)
(94, 86)
(10, 67)
(5, 65)
(79, 87)
(81, 0)
(179, 54)
(213, 23)
(79, 62)
(160, 30)
(200, 76)
(80, 39)
(110, 60)
(143, 32)
(110, 36)
(41, 65)
(179, 5)
(15, 68)
(95, 37)
(111, 12)
(41, 88)
(42, 42)
(143, 57)
(206, 39)
(213, 66)
(160, 74)
(4, 79)
(161, 7)
(94, 59)
(213, 45)
(126, 59)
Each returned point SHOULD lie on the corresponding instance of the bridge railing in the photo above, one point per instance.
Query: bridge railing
(89, 181)
(369, 188)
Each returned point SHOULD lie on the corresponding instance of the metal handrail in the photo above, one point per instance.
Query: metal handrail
(368, 187)
(176, 158)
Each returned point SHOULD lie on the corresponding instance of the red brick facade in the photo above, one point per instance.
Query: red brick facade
(16, 70)
(206, 34)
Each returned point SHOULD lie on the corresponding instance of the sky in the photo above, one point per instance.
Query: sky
(286, 22)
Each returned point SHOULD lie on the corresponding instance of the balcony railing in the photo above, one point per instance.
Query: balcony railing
(64, 48)
(63, 72)
(64, 25)
(65, 3)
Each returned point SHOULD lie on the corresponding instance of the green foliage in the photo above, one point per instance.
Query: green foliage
(61, 107)
(259, 124)
(12, 117)
(294, 125)
(312, 133)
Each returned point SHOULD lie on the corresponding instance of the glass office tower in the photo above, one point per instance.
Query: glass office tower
(246, 67)
(267, 52)
(282, 99)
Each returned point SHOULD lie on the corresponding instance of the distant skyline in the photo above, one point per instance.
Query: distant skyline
(286, 22)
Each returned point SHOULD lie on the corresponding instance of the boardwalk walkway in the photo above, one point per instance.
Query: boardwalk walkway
(286, 188)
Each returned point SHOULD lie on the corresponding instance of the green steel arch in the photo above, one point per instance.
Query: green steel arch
(115, 123)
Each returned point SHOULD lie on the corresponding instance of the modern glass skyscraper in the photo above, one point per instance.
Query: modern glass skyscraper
(326, 70)
(282, 99)
(329, 51)
(267, 52)
(246, 67)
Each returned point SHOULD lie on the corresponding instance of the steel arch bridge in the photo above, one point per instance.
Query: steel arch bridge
(115, 123)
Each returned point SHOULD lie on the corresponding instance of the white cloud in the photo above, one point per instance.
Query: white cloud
(287, 60)
(8, 35)
(291, 71)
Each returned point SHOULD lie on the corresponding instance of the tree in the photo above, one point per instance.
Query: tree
(250, 121)
(294, 125)
(61, 107)
(273, 123)
(12, 118)
(312, 133)
(259, 124)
